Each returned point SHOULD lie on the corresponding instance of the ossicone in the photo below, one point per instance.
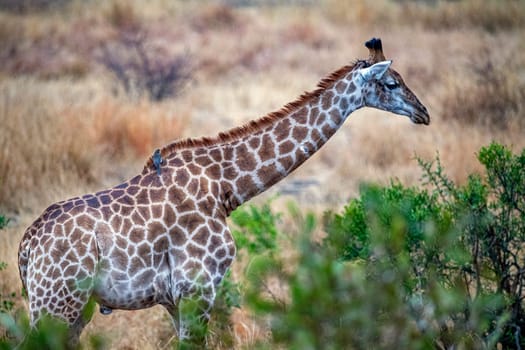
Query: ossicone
(375, 48)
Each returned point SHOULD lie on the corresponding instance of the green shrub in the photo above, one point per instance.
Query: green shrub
(437, 266)
(50, 333)
(220, 329)
(381, 300)
(6, 301)
(255, 233)
(255, 229)
(3, 221)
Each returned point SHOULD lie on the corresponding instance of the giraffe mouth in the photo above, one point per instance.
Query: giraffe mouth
(417, 117)
(420, 117)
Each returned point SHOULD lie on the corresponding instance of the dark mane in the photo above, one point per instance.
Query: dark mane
(258, 124)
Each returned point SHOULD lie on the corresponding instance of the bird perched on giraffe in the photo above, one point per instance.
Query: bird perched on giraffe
(157, 161)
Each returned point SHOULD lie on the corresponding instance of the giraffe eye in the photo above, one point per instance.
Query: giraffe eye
(392, 85)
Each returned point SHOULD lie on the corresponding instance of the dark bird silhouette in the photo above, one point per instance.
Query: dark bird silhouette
(157, 160)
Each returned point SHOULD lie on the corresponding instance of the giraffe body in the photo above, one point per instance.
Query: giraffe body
(161, 237)
(130, 247)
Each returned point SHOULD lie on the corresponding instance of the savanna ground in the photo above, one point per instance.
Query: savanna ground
(77, 115)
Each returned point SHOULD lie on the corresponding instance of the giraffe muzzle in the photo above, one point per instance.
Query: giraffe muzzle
(421, 117)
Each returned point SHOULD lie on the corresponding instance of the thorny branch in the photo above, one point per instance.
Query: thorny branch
(143, 66)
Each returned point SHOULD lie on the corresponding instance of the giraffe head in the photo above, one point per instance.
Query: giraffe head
(383, 87)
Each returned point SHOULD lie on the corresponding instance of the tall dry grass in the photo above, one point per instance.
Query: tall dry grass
(488, 15)
(438, 15)
(55, 139)
(41, 150)
(488, 90)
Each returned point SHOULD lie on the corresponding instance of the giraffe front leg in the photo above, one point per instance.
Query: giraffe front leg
(194, 314)
(173, 310)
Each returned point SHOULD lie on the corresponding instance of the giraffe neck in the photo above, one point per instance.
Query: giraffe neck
(247, 160)
(262, 158)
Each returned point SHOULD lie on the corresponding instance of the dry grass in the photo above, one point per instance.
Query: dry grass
(42, 151)
(488, 15)
(63, 131)
(55, 138)
(126, 129)
(489, 92)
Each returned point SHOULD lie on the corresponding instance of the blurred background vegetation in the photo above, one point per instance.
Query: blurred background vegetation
(425, 255)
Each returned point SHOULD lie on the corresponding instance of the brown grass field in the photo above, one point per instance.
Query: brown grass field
(67, 127)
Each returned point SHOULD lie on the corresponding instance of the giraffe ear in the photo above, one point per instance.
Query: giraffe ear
(375, 71)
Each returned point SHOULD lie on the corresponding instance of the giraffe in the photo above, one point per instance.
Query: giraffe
(161, 237)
